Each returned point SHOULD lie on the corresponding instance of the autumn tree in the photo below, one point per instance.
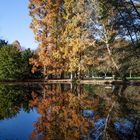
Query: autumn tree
(46, 26)
(61, 31)
(16, 44)
(76, 36)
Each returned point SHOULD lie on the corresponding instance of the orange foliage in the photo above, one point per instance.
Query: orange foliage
(62, 35)
(61, 114)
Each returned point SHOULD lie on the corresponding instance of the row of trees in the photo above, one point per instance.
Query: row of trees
(14, 62)
(77, 35)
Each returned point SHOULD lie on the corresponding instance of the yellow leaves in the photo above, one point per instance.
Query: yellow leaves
(62, 32)
(56, 109)
(56, 55)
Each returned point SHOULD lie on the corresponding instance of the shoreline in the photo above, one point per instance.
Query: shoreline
(69, 81)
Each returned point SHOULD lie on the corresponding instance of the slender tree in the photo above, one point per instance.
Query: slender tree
(103, 31)
(45, 19)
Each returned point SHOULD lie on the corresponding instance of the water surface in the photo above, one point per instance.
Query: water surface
(69, 112)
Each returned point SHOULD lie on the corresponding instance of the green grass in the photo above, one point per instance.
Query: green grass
(133, 78)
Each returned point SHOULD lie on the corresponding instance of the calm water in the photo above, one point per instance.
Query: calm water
(69, 112)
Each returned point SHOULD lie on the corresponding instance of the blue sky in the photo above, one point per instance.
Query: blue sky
(15, 21)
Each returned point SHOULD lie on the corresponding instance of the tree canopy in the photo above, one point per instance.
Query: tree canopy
(14, 63)
(75, 35)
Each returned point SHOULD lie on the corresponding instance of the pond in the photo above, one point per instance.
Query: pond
(69, 112)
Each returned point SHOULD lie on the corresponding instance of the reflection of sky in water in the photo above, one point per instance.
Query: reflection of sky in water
(124, 126)
(18, 128)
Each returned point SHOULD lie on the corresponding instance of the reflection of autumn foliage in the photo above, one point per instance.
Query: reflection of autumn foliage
(61, 114)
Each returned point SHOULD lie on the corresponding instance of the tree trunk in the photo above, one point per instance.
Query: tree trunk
(71, 75)
(105, 74)
(130, 74)
(71, 87)
(79, 75)
(62, 75)
(79, 72)
(92, 74)
(112, 59)
(44, 70)
(50, 76)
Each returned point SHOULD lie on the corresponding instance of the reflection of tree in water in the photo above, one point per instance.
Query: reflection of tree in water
(12, 99)
(123, 118)
(115, 116)
(128, 110)
(61, 113)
